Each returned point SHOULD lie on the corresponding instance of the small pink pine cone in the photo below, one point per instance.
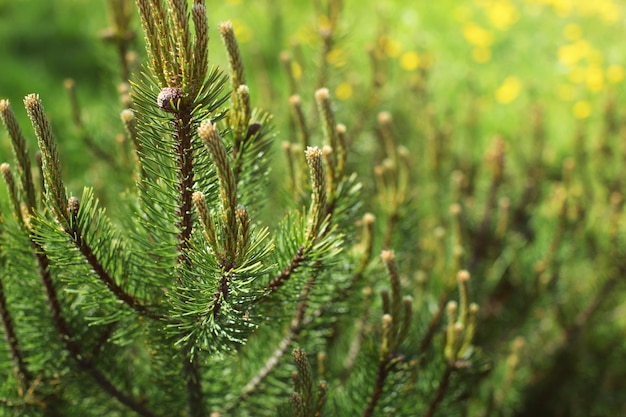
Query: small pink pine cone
(167, 97)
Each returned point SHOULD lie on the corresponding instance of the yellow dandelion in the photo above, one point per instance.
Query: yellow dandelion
(392, 48)
(582, 109)
(615, 74)
(296, 70)
(572, 32)
(571, 54)
(410, 60)
(509, 90)
(563, 8)
(568, 55)
(307, 36)
(594, 78)
(587, 9)
(337, 57)
(609, 12)
(502, 15)
(481, 54)
(343, 91)
(323, 23)
(477, 36)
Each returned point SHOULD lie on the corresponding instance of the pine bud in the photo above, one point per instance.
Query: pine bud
(169, 99)
(73, 205)
(253, 129)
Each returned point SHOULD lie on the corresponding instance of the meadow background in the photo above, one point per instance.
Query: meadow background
(547, 76)
(495, 57)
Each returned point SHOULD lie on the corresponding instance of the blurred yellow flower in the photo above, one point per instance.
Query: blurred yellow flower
(337, 57)
(568, 55)
(594, 78)
(323, 23)
(234, 2)
(392, 48)
(410, 60)
(509, 90)
(502, 14)
(582, 109)
(572, 32)
(572, 53)
(296, 70)
(481, 54)
(477, 36)
(615, 74)
(307, 35)
(563, 7)
(242, 31)
(609, 11)
(343, 91)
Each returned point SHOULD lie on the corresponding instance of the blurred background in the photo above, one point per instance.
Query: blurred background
(566, 54)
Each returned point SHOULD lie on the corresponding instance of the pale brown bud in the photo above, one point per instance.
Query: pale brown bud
(384, 117)
(368, 218)
(169, 99)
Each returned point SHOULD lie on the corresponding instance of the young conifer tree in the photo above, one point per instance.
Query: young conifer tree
(197, 293)
(188, 304)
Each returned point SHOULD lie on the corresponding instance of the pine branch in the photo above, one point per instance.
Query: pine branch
(75, 231)
(200, 49)
(181, 35)
(285, 274)
(73, 221)
(234, 56)
(322, 98)
(434, 323)
(193, 376)
(67, 213)
(221, 295)
(386, 361)
(9, 180)
(185, 162)
(295, 327)
(24, 376)
(151, 30)
(311, 405)
(228, 193)
(379, 383)
(70, 343)
(317, 227)
(55, 189)
(20, 150)
(395, 329)
(344, 294)
(442, 388)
